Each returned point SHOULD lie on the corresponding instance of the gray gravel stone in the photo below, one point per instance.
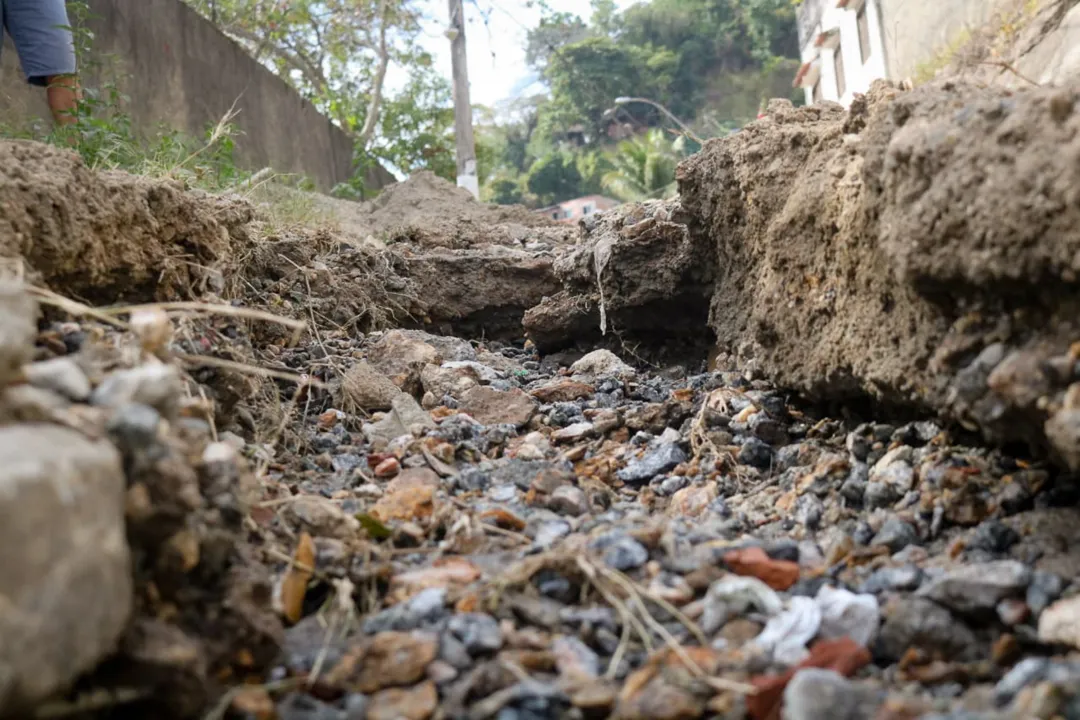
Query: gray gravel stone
(979, 588)
(896, 534)
(921, 623)
(815, 694)
(422, 610)
(479, 633)
(905, 577)
(569, 500)
(624, 553)
(61, 375)
(756, 453)
(1045, 588)
(655, 461)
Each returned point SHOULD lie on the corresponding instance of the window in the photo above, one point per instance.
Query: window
(587, 209)
(817, 90)
(864, 33)
(841, 81)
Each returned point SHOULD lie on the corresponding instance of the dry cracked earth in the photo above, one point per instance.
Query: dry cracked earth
(800, 444)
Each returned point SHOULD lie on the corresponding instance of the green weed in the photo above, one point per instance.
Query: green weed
(105, 136)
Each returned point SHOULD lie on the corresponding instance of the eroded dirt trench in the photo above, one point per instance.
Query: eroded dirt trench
(799, 444)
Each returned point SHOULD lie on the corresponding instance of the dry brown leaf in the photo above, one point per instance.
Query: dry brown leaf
(297, 577)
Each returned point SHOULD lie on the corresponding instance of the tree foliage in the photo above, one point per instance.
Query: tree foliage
(710, 62)
(554, 178)
(337, 54)
(643, 168)
(554, 32)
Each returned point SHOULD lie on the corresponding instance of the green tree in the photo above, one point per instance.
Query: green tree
(592, 166)
(337, 53)
(554, 178)
(504, 191)
(586, 77)
(416, 129)
(554, 32)
(679, 53)
(605, 16)
(644, 167)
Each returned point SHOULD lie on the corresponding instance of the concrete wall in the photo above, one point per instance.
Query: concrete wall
(916, 31)
(179, 70)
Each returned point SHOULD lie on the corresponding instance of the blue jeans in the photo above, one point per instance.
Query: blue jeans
(42, 35)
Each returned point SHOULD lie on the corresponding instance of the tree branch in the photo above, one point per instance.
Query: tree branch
(294, 60)
(371, 118)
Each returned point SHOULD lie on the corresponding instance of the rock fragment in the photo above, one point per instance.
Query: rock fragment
(979, 588)
(601, 364)
(367, 388)
(1060, 623)
(156, 385)
(660, 459)
(815, 694)
(402, 358)
(61, 375)
(915, 622)
(845, 614)
(494, 407)
(754, 562)
(18, 326)
(395, 659)
(67, 580)
(416, 703)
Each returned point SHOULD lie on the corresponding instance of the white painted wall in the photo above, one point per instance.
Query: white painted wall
(858, 75)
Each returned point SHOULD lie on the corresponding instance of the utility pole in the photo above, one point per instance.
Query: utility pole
(463, 130)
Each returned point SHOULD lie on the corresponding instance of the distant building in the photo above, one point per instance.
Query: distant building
(842, 48)
(573, 210)
(847, 44)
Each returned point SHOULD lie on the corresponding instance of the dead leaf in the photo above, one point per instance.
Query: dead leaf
(503, 518)
(297, 577)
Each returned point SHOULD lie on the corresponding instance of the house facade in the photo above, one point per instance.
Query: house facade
(573, 210)
(842, 47)
(847, 44)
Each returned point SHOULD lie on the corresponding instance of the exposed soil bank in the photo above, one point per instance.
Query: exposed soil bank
(110, 236)
(922, 249)
(636, 279)
(423, 254)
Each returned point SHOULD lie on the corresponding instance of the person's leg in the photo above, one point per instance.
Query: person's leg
(42, 35)
(64, 95)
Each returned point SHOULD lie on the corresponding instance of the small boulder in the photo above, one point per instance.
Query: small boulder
(601, 364)
(66, 584)
(368, 389)
(402, 357)
(496, 407)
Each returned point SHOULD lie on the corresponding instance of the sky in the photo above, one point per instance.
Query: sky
(496, 49)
